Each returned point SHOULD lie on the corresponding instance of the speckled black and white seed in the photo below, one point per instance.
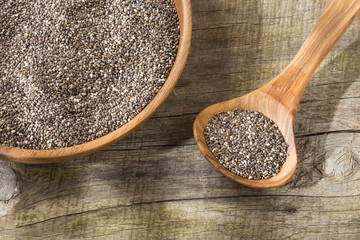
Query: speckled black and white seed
(247, 143)
(73, 71)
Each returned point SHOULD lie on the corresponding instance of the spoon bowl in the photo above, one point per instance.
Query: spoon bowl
(252, 102)
(279, 99)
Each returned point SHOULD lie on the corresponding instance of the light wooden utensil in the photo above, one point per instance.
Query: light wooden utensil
(183, 8)
(279, 99)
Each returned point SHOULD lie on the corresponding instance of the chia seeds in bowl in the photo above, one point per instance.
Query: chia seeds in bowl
(72, 72)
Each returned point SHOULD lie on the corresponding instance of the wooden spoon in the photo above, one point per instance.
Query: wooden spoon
(279, 99)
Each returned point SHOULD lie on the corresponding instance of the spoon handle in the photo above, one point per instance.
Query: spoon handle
(290, 84)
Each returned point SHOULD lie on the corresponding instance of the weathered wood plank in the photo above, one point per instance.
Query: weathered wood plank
(156, 185)
(247, 217)
(113, 180)
(9, 183)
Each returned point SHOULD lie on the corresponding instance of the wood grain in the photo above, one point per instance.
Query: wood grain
(183, 8)
(155, 184)
(9, 183)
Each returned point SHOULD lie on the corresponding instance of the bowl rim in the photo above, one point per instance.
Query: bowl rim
(183, 8)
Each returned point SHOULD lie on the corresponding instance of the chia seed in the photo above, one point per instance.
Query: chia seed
(247, 143)
(74, 71)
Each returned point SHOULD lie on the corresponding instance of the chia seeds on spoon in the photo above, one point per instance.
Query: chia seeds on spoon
(74, 71)
(247, 143)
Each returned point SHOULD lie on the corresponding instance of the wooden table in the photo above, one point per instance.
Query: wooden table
(155, 184)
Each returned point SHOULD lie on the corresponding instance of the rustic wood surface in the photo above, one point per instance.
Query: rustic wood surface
(155, 184)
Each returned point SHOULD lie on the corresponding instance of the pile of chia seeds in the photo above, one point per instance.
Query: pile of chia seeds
(73, 71)
(247, 143)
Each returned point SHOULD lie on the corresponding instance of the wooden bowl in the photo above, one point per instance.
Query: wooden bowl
(183, 8)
